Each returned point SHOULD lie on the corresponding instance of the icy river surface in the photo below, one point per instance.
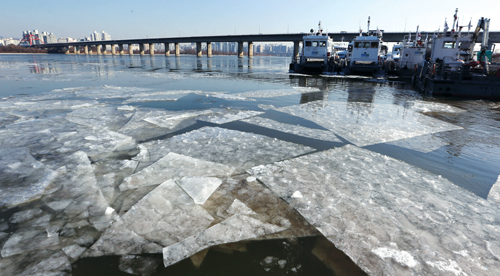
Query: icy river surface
(161, 165)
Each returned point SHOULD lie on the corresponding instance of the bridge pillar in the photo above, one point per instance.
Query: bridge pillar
(130, 51)
(250, 49)
(120, 49)
(209, 49)
(177, 50)
(167, 49)
(141, 49)
(198, 49)
(90, 49)
(99, 50)
(104, 50)
(113, 49)
(66, 50)
(296, 47)
(86, 49)
(240, 49)
(76, 50)
(151, 49)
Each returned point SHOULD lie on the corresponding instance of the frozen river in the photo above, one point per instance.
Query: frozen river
(226, 166)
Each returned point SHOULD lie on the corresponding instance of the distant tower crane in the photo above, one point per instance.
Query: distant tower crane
(30, 38)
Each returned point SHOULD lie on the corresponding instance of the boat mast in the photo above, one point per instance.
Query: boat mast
(368, 29)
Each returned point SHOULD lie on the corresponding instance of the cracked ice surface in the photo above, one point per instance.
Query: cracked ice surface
(236, 228)
(173, 166)
(163, 217)
(199, 188)
(494, 194)
(172, 120)
(100, 117)
(294, 129)
(233, 148)
(226, 117)
(277, 92)
(23, 179)
(389, 217)
(364, 124)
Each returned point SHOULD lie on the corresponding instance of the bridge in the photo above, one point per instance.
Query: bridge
(494, 37)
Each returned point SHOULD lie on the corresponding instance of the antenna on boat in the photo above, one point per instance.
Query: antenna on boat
(454, 20)
(320, 30)
(368, 29)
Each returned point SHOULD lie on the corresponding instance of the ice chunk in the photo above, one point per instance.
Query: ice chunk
(100, 117)
(297, 194)
(171, 120)
(230, 147)
(23, 216)
(239, 207)
(74, 251)
(425, 107)
(199, 188)
(163, 217)
(269, 262)
(233, 229)
(140, 129)
(139, 265)
(226, 117)
(76, 195)
(173, 166)
(422, 143)
(382, 212)
(28, 240)
(23, 178)
(251, 179)
(55, 104)
(229, 97)
(274, 93)
(57, 264)
(294, 129)
(494, 194)
(373, 124)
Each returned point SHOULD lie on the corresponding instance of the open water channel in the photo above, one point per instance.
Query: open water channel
(232, 166)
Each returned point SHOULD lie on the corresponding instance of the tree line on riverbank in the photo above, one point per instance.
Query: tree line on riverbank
(20, 49)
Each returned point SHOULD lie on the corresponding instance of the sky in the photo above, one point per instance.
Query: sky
(155, 18)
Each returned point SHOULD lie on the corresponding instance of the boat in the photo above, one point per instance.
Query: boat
(409, 55)
(366, 54)
(317, 54)
(451, 69)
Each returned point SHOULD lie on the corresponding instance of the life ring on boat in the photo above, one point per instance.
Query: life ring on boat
(420, 43)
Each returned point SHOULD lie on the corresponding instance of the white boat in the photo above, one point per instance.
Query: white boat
(366, 53)
(317, 53)
(411, 54)
(452, 70)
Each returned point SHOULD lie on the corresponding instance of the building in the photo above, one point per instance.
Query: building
(9, 41)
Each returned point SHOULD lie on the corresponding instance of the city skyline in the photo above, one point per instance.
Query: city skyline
(127, 19)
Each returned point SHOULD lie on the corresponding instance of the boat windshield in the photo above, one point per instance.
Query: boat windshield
(449, 45)
(322, 44)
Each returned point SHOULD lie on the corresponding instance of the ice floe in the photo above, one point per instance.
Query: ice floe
(229, 116)
(173, 166)
(494, 194)
(366, 124)
(294, 129)
(233, 148)
(389, 217)
(163, 217)
(233, 229)
(23, 178)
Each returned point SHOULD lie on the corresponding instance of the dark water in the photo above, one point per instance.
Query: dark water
(468, 157)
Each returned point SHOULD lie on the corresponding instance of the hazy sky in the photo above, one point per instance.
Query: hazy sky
(155, 18)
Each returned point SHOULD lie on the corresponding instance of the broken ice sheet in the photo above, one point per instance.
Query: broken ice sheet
(425, 107)
(236, 228)
(228, 116)
(422, 143)
(173, 119)
(23, 179)
(199, 188)
(237, 149)
(37, 263)
(100, 117)
(140, 128)
(271, 93)
(230, 97)
(294, 129)
(163, 217)
(28, 240)
(173, 166)
(494, 194)
(366, 124)
(391, 218)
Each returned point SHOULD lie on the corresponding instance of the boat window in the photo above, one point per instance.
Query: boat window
(374, 44)
(449, 45)
(356, 44)
(322, 44)
(308, 43)
(315, 44)
(367, 45)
